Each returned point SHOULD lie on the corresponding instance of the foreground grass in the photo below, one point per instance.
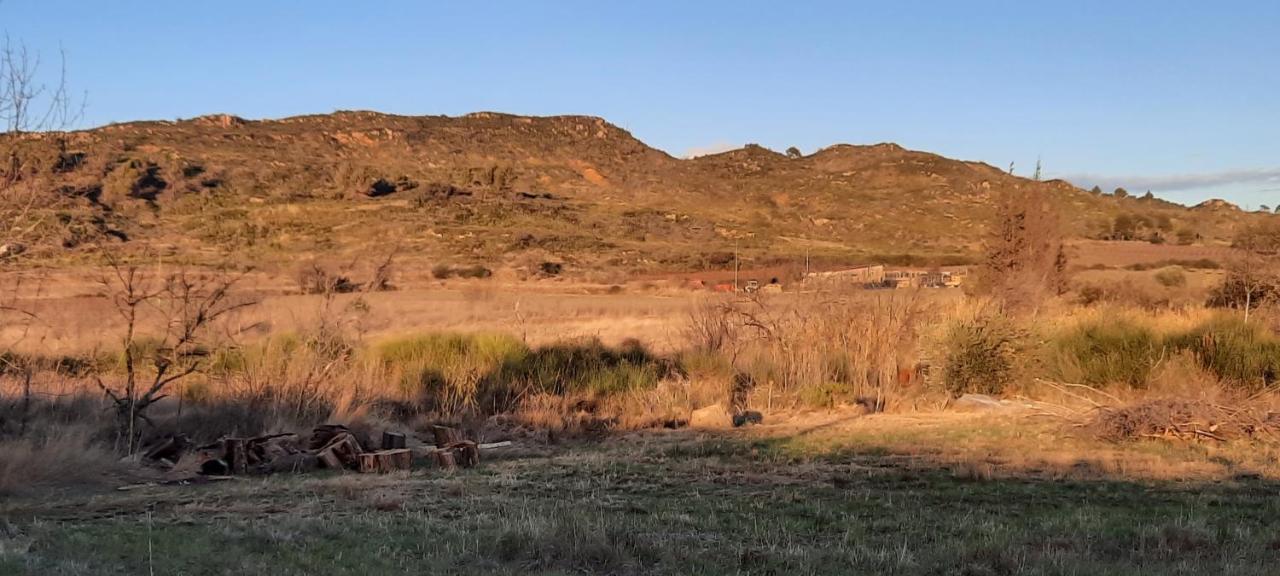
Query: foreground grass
(660, 504)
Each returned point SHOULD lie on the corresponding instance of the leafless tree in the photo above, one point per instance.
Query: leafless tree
(30, 102)
(1025, 260)
(186, 306)
(1253, 274)
(27, 102)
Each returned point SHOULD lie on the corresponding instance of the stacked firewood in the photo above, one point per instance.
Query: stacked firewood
(331, 446)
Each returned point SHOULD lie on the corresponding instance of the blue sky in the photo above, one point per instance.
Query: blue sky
(1180, 97)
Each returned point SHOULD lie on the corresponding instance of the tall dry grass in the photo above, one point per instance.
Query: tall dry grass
(819, 349)
(70, 455)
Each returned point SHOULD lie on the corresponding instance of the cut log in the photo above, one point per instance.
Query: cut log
(263, 450)
(444, 459)
(170, 448)
(323, 434)
(236, 455)
(328, 459)
(446, 436)
(343, 451)
(384, 461)
(465, 454)
(392, 441)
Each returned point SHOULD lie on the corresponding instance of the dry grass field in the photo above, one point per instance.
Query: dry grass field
(825, 493)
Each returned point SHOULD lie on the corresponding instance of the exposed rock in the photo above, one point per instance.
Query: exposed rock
(983, 402)
(11, 249)
(714, 416)
(977, 402)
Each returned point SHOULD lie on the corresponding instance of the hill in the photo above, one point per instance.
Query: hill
(508, 192)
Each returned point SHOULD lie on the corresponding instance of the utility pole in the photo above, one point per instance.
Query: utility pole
(735, 265)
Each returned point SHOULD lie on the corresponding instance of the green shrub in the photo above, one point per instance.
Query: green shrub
(982, 356)
(1244, 355)
(491, 372)
(444, 371)
(588, 367)
(1106, 352)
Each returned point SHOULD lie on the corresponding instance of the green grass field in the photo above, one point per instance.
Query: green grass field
(675, 503)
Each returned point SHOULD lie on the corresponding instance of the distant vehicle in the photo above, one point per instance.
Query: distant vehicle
(752, 286)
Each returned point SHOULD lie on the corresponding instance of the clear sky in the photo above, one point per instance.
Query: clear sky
(1179, 97)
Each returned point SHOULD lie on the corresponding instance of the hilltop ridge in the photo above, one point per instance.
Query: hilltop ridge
(502, 188)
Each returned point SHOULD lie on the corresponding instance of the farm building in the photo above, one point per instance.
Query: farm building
(934, 278)
(860, 275)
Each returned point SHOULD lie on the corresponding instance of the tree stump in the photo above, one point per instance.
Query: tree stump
(384, 461)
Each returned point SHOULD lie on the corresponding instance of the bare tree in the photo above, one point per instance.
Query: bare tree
(1025, 259)
(30, 102)
(27, 102)
(1253, 274)
(187, 306)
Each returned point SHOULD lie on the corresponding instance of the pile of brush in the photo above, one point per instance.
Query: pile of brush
(1178, 419)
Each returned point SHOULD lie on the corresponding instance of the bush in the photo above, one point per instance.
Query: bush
(982, 356)
(1194, 264)
(475, 271)
(444, 371)
(443, 271)
(1171, 277)
(452, 373)
(1244, 355)
(1238, 290)
(1124, 292)
(1106, 352)
(588, 367)
(317, 279)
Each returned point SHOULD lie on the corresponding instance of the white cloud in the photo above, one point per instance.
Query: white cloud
(714, 148)
(1194, 181)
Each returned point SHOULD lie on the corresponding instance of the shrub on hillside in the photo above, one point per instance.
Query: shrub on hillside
(1171, 278)
(315, 278)
(443, 271)
(1124, 292)
(1239, 291)
(981, 356)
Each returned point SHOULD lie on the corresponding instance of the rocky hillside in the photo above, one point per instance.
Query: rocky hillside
(507, 192)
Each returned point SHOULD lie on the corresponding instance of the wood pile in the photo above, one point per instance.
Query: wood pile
(330, 446)
(1177, 419)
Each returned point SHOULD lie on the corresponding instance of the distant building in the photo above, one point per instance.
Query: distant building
(859, 276)
(935, 278)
